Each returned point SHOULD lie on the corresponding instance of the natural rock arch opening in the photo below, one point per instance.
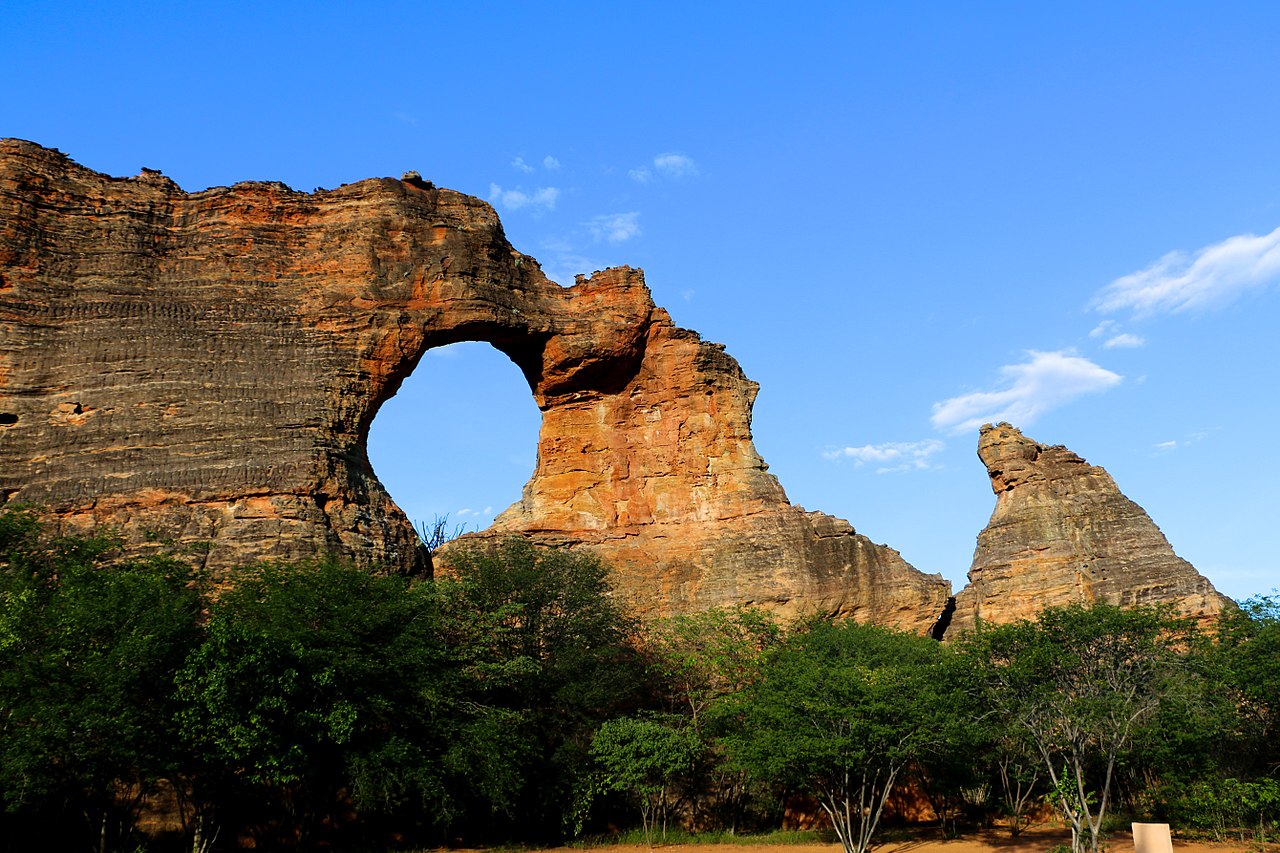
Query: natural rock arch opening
(459, 437)
(228, 378)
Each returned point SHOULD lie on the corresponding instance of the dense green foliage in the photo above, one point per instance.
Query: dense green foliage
(87, 659)
(305, 704)
(646, 757)
(840, 710)
(313, 681)
(548, 659)
(312, 704)
(700, 664)
(1079, 684)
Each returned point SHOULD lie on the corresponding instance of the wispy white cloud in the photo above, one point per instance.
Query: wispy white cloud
(539, 200)
(468, 512)
(562, 263)
(893, 457)
(675, 165)
(1045, 382)
(1211, 277)
(1110, 329)
(668, 165)
(687, 294)
(615, 227)
(1178, 444)
(549, 163)
(1106, 327)
(1125, 340)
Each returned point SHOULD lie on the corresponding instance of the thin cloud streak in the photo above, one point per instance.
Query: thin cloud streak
(667, 165)
(1125, 341)
(1116, 338)
(896, 456)
(1106, 327)
(615, 227)
(1045, 382)
(562, 263)
(1174, 444)
(1214, 276)
(539, 200)
(675, 165)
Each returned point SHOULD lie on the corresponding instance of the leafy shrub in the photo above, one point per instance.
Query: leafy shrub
(1226, 807)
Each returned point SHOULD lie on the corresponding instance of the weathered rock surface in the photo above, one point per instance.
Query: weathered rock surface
(1062, 532)
(204, 368)
(660, 475)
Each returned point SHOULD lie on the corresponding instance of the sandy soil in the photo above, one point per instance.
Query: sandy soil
(1034, 840)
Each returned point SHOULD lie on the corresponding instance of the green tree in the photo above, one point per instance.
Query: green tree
(1197, 733)
(317, 681)
(1219, 756)
(1228, 807)
(1014, 759)
(952, 770)
(1249, 641)
(840, 711)
(89, 646)
(701, 660)
(645, 757)
(551, 652)
(703, 657)
(1081, 681)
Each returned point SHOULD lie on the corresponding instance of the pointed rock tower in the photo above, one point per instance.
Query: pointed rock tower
(1062, 532)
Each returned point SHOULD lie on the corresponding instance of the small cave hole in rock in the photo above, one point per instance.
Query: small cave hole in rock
(939, 629)
(458, 440)
(8, 418)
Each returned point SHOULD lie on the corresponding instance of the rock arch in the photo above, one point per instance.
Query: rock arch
(204, 368)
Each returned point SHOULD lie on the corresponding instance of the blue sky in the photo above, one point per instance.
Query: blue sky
(903, 219)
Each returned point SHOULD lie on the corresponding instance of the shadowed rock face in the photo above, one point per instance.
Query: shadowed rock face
(1061, 533)
(204, 368)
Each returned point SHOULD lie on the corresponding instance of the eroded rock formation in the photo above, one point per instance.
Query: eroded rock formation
(203, 368)
(1062, 532)
(660, 475)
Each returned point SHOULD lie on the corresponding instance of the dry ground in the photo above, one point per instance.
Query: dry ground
(1035, 840)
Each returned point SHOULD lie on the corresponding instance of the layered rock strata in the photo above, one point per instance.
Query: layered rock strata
(202, 369)
(1062, 532)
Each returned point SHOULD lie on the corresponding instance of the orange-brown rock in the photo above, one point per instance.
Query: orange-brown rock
(204, 368)
(1062, 533)
(660, 476)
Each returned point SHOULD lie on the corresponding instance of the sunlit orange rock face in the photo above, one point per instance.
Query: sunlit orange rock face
(1063, 533)
(658, 474)
(201, 369)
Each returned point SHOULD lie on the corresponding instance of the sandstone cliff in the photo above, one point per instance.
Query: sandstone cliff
(203, 368)
(1061, 533)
